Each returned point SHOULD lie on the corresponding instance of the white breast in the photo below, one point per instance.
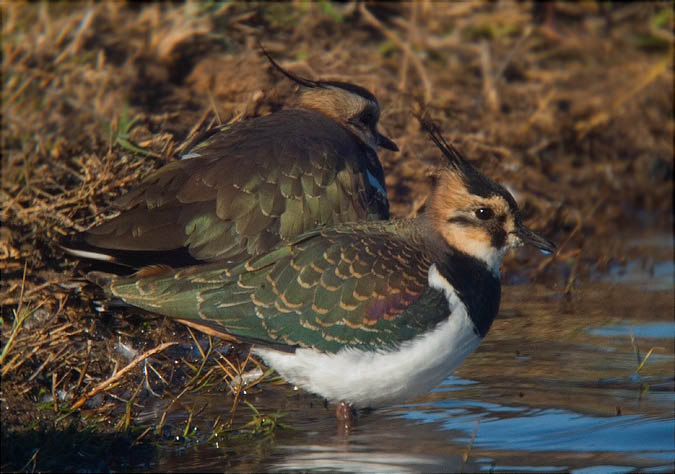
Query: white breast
(376, 378)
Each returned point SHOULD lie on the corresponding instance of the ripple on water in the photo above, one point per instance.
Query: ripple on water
(660, 330)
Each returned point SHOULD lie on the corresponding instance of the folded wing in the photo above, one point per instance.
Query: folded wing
(354, 285)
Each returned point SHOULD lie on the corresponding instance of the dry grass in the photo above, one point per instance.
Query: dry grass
(575, 116)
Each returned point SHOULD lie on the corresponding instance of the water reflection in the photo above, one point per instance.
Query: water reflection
(358, 459)
(469, 435)
(531, 429)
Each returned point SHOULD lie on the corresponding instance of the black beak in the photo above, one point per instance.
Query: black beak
(532, 238)
(384, 142)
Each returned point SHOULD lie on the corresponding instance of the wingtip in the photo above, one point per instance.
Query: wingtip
(78, 246)
(87, 254)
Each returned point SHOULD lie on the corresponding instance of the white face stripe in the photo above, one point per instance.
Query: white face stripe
(375, 378)
(493, 256)
(487, 253)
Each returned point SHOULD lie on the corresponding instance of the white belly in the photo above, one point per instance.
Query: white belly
(376, 378)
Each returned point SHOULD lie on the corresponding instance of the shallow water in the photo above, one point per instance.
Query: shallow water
(553, 387)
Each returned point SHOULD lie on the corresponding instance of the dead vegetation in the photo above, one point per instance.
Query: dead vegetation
(570, 105)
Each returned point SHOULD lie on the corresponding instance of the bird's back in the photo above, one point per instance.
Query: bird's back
(247, 187)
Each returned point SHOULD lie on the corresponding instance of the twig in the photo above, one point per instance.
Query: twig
(465, 455)
(50, 358)
(32, 460)
(120, 374)
(391, 36)
(55, 398)
(83, 371)
(174, 400)
(19, 317)
(411, 25)
(75, 45)
(573, 274)
(511, 54)
(543, 104)
(214, 106)
(489, 89)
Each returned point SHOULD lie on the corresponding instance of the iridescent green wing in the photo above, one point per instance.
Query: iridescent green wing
(360, 285)
(248, 187)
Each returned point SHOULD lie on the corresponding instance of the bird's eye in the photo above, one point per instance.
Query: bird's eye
(484, 213)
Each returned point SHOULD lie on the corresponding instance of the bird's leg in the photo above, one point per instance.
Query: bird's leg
(346, 417)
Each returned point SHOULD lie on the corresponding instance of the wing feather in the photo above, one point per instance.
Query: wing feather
(282, 174)
(326, 289)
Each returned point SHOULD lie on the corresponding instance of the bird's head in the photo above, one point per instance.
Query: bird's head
(352, 106)
(474, 214)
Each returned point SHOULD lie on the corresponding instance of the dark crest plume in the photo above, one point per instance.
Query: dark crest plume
(475, 181)
(297, 79)
(455, 158)
(353, 88)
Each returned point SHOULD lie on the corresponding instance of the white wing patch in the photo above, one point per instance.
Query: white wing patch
(89, 254)
(192, 154)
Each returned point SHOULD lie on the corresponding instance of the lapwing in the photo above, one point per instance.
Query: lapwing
(249, 185)
(367, 313)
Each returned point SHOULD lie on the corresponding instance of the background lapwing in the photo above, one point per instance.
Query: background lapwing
(246, 186)
(368, 313)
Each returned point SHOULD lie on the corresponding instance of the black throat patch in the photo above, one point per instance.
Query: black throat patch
(477, 287)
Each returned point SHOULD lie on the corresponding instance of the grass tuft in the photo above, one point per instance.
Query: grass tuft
(120, 131)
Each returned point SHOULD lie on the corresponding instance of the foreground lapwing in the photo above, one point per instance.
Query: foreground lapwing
(368, 313)
(249, 185)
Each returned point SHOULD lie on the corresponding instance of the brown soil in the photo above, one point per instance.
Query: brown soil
(569, 105)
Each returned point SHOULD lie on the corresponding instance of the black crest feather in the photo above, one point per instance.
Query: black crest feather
(476, 182)
(352, 88)
(297, 79)
(455, 158)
